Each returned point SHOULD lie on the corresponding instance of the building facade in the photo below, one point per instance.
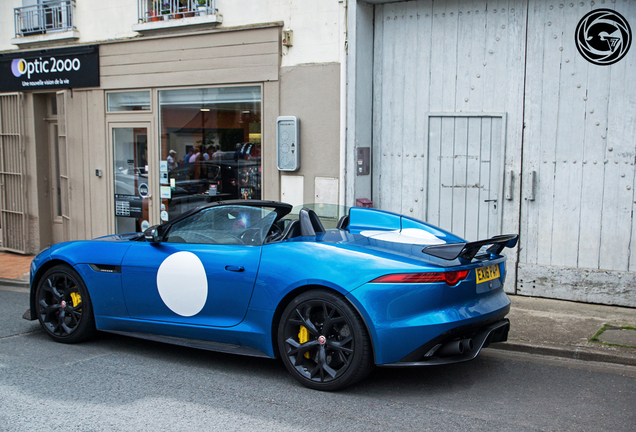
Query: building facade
(505, 117)
(480, 117)
(120, 115)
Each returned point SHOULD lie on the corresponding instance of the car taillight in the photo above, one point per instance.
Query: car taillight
(450, 277)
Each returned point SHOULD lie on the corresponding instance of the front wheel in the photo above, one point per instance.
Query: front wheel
(323, 341)
(63, 306)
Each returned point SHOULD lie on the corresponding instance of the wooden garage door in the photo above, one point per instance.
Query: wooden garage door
(578, 239)
(447, 109)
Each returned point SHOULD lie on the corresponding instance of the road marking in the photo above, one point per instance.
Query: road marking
(15, 289)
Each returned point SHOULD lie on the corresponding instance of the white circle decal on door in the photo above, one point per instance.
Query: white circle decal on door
(182, 283)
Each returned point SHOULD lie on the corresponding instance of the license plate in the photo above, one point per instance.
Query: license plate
(484, 274)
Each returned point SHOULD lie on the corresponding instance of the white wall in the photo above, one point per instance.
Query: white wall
(7, 29)
(318, 26)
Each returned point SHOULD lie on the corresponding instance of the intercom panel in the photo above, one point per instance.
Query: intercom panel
(288, 140)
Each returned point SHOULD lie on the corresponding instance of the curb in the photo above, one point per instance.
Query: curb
(14, 283)
(572, 353)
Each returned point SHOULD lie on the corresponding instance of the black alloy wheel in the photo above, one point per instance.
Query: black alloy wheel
(323, 341)
(63, 306)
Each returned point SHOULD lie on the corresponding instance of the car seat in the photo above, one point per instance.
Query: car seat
(310, 225)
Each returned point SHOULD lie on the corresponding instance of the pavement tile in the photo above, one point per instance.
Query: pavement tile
(14, 266)
(619, 336)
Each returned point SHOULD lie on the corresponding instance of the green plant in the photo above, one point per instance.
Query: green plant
(596, 338)
(202, 2)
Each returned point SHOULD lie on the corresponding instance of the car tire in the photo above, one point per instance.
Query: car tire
(63, 305)
(333, 351)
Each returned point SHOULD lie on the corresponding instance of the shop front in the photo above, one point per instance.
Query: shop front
(208, 148)
(168, 123)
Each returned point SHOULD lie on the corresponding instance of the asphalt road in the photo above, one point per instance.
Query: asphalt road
(120, 383)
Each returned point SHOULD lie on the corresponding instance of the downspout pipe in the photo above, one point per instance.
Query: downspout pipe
(343, 108)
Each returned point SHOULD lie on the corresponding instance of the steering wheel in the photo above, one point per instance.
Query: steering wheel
(273, 233)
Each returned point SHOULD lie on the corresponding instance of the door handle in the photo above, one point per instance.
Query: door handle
(234, 268)
(491, 200)
(509, 185)
(532, 186)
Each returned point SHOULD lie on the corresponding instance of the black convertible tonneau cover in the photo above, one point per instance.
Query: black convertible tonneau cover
(451, 251)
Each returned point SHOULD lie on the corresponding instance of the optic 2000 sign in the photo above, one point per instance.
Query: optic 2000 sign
(20, 66)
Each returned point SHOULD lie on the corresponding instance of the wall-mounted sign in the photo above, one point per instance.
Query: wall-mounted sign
(128, 206)
(603, 37)
(75, 67)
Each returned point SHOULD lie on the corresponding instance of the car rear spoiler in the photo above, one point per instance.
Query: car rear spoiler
(451, 251)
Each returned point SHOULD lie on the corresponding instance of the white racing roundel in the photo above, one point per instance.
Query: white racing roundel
(182, 283)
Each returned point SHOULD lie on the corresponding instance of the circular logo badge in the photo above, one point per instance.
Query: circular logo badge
(143, 190)
(322, 340)
(18, 67)
(603, 37)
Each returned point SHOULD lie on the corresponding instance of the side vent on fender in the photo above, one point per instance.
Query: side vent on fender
(105, 268)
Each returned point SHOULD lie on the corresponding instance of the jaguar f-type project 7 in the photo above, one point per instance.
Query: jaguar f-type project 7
(247, 277)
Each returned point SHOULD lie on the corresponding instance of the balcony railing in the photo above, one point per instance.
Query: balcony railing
(49, 17)
(156, 10)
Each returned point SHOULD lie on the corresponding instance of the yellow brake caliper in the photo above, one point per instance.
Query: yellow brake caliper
(303, 336)
(77, 299)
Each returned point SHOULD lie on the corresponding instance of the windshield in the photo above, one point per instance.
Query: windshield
(228, 225)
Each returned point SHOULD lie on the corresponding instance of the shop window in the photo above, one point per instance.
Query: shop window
(129, 101)
(210, 146)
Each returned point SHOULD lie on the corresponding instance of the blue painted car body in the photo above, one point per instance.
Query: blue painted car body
(404, 320)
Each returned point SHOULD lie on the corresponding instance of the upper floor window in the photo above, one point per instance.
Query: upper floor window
(157, 10)
(37, 17)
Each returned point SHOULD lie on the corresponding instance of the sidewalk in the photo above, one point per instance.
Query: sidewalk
(564, 329)
(14, 269)
(538, 326)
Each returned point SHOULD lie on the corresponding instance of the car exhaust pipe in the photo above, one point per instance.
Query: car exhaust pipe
(455, 348)
(468, 344)
(451, 349)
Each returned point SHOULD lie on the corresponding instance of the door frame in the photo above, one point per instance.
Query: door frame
(57, 223)
(154, 204)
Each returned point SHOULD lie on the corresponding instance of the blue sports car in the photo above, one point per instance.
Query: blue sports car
(245, 277)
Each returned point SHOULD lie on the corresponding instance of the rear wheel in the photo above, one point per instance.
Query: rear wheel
(323, 341)
(63, 306)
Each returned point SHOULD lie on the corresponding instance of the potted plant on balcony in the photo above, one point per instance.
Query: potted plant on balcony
(184, 8)
(154, 11)
(165, 9)
(202, 7)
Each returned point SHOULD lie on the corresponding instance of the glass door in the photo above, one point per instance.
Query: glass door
(134, 176)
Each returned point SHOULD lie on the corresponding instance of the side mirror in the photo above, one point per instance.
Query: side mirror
(153, 234)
